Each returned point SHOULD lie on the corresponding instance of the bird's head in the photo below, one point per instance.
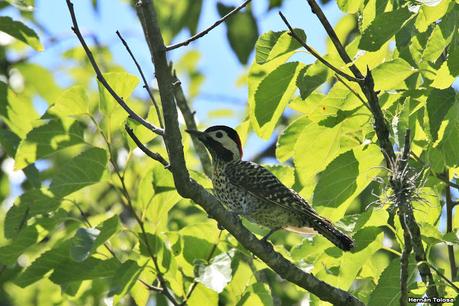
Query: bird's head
(222, 142)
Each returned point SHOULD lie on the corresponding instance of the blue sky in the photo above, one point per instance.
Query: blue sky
(218, 63)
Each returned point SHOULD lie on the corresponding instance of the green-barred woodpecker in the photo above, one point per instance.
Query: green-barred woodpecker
(249, 190)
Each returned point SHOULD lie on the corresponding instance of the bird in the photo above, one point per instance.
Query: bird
(249, 190)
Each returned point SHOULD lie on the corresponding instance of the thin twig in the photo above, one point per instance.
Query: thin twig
(334, 38)
(444, 277)
(314, 52)
(207, 30)
(130, 205)
(145, 83)
(382, 131)
(149, 153)
(101, 78)
(190, 122)
(188, 188)
(353, 91)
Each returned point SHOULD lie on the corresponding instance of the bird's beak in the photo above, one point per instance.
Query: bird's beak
(198, 134)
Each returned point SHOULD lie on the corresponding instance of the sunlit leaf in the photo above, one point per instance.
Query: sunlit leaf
(242, 31)
(47, 138)
(21, 32)
(83, 170)
(287, 140)
(391, 74)
(438, 104)
(9, 253)
(383, 27)
(387, 291)
(72, 102)
(28, 205)
(272, 96)
(271, 45)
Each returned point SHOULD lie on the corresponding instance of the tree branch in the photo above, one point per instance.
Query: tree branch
(404, 260)
(190, 123)
(382, 131)
(145, 83)
(188, 188)
(449, 229)
(101, 78)
(152, 155)
(353, 91)
(207, 30)
(314, 52)
(334, 38)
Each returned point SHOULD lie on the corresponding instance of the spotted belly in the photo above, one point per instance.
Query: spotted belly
(256, 210)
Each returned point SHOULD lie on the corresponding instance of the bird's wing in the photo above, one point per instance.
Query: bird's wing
(262, 184)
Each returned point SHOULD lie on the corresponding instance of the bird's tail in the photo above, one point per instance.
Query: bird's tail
(329, 231)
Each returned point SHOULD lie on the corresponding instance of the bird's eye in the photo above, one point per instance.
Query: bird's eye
(219, 134)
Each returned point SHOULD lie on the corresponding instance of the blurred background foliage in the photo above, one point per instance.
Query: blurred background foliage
(69, 170)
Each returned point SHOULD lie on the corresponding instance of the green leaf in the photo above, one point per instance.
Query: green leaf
(122, 83)
(349, 6)
(10, 252)
(257, 295)
(83, 170)
(23, 5)
(87, 240)
(28, 205)
(368, 241)
(383, 27)
(242, 31)
(43, 264)
(311, 77)
(45, 86)
(444, 77)
(202, 293)
(429, 13)
(288, 138)
(107, 229)
(272, 96)
(47, 138)
(449, 144)
(82, 243)
(438, 104)
(271, 45)
(391, 74)
(125, 277)
(285, 174)
(157, 247)
(17, 111)
(72, 102)
(9, 142)
(387, 291)
(338, 181)
(92, 268)
(198, 240)
(217, 274)
(307, 153)
(440, 38)
(344, 179)
(21, 32)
